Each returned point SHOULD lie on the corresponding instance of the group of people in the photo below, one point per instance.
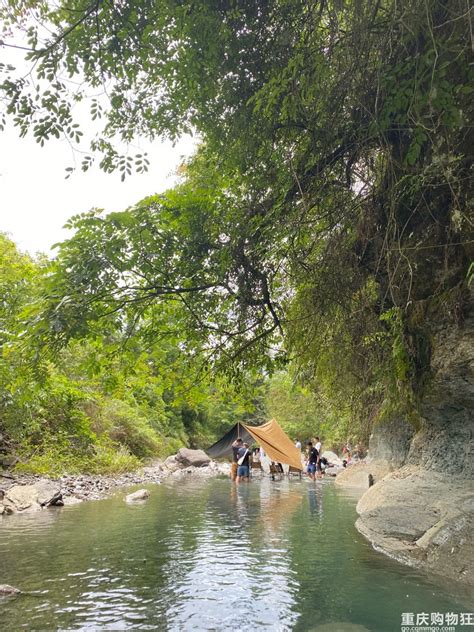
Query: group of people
(314, 462)
(242, 455)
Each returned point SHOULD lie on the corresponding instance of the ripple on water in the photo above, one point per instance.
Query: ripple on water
(205, 556)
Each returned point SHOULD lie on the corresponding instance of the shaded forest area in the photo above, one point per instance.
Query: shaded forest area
(317, 239)
(108, 401)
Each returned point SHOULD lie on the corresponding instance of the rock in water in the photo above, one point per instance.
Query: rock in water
(22, 498)
(49, 492)
(32, 497)
(5, 589)
(194, 458)
(141, 494)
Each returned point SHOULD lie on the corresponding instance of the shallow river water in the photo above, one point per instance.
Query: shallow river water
(209, 556)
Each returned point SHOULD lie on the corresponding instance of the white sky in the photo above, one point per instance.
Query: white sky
(36, 200)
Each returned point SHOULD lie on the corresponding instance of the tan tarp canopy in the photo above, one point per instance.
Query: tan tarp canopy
(276, 443)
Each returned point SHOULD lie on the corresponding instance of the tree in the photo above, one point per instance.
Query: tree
(335, 166)
(179, 264)
(109, 398)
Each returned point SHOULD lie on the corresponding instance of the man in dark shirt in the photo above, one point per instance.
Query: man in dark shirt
(236, 446)
(312, 460)
(243, 468)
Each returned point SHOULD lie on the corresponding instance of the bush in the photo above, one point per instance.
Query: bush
(111, 459)
(57, 457)
(126, 425)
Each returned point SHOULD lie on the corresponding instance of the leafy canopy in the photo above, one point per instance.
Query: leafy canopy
(329, 200)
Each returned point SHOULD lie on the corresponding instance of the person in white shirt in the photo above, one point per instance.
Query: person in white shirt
(318, 444)
(319, 469)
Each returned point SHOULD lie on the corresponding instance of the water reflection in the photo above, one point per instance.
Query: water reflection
(206, 556)
(315, 500)
(237, 562)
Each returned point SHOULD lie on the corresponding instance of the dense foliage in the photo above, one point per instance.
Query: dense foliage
(325, 220)
(104, 404)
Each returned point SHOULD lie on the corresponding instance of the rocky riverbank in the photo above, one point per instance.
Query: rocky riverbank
(419, 517)
(420, 508)
(27, 493)
(424, 519)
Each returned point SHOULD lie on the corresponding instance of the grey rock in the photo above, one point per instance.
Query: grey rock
(22, 498)
(357, 475)
(408, 523)
(9, 460)
(390, 442)
(332, 457)
(171, 464)
(49, 492)
(141, 494)
(194, 458)
(446, 440)
(333, 471)
(5, 589)
(71, 500)
(422, 518)
(423, 513)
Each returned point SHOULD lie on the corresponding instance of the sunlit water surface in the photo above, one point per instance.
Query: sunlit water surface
(208, 556)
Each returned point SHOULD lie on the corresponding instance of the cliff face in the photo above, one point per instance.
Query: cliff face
(445, 442)
(390, 442)
(421, 508)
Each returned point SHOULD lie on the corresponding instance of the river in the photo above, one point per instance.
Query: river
(205, 555)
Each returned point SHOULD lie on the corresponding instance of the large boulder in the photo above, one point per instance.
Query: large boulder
(357, 475)
(422, 517)
(22, 498)
(332, 457)
(32, 497)
(193, 458)
(49, 492)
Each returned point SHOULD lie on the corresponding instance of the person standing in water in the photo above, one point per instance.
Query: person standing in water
(235, 457)
(312, 460)
(243, 464)
(319, 469)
